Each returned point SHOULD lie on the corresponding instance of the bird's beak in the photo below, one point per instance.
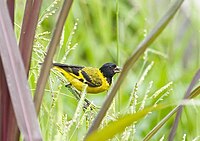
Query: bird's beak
(117, 70)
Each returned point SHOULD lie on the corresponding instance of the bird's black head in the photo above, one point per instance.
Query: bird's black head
(109, 70)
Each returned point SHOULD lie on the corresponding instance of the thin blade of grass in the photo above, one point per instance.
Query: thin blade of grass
(131, 61)
(30, 20)
(16, 79)
(178, 115)
(51, 51)
(194, 93)
(120, 124)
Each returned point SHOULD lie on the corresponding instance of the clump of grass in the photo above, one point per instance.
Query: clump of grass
(159, 91)
(133, 99)
(146, 95)
(163, 95)
(77, 114)
(135, 103)
(134, 96)
(49, 11)
(142, 77)
(69, 47)
(62, 126)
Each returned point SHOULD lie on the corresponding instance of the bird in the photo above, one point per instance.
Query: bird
(97, 79)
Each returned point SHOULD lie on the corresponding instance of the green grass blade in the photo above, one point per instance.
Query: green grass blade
(179, 112)
(119, 125)
(194, 93)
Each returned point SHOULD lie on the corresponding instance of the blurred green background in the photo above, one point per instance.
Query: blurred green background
(109, 31)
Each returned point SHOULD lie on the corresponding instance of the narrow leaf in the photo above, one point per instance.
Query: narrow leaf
(16, 79)
(178, 115)
(5, 104)
(119, 125)
(9, 121)
(194, 93)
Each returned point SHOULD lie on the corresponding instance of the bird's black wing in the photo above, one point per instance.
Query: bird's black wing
(91, 76)
(69, 68)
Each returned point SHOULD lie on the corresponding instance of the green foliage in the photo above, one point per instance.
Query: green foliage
(119, 125)
(90, 38)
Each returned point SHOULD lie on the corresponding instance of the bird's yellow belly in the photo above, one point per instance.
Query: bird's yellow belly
(80, 85)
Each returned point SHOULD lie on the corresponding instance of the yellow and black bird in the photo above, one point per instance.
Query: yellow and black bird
(97, 80)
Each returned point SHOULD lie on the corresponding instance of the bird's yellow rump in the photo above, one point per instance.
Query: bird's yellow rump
(97, 80)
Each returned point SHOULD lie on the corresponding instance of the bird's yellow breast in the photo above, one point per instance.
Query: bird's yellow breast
(96, 75)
